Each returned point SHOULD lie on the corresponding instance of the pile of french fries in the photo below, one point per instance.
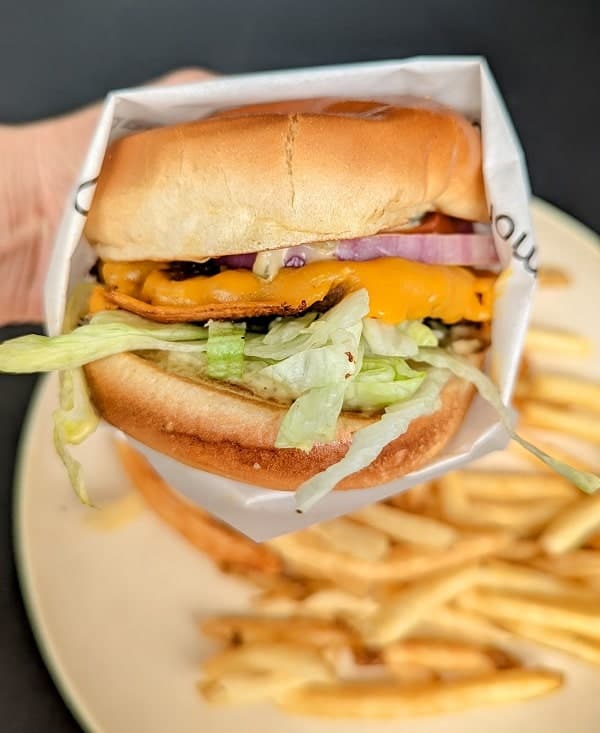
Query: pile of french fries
(413, 606)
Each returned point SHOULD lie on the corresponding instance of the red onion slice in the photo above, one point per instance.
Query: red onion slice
(477, 250)
(241, 262)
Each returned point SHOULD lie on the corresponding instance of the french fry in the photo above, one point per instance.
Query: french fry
(401, 565)
(571, 527)
(579, 424)
(552, 277)
(505, 576)
(219, 542)
(452, 624)
(578, 618)
(520, 550)
(573, 644)
(565, 389)
(552, 450)
(403, 609)
(282, 657)
(414, 499)
(117, 513)
(593, 541)
(575, 564)
(317, 633)
(239, 687)
(514, 486)
(555, 342)
(441, 656)
(409, 673)
(381, 699)
(258, 671)
(521, 518)
(406, 527)
(351, 538)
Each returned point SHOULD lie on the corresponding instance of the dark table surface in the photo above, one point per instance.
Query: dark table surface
(55, 56)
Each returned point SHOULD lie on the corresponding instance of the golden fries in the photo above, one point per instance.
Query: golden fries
(509, 486)
(457, 624)
(344, 535)
(415, 499)
(258, 671)
(505, 576)
(579, 424)
(403, 610)
(440, 656)
(317, 633)
(553, 450)
(558, 613)
(373, 700)
(405, 527)
(554, 342)
(565, 389)
(573, 644)
(575, 564)
(571, 527)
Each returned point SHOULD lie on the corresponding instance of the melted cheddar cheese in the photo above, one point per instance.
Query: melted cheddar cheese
(398, 289)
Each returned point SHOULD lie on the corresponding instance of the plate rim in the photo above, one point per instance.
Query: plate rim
(65, 687)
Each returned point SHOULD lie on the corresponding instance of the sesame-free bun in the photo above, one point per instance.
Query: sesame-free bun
(274, 175)
(225, 430)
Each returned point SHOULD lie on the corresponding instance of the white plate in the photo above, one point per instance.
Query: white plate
(114, 613)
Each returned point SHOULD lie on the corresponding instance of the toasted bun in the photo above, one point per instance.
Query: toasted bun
(227, 431)
(276, 175)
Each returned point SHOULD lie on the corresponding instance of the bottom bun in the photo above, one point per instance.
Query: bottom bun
(225, 430)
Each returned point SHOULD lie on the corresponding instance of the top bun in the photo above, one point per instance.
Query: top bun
(275, 175)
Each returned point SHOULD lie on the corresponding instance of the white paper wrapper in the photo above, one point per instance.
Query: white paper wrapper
(464, 83)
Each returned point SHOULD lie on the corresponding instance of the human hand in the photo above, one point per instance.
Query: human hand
(40, 162)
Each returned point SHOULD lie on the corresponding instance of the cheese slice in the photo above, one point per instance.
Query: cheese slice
(398, 289)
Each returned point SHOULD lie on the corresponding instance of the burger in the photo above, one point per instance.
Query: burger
(295, 295)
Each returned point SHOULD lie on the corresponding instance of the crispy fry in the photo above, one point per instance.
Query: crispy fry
(574, 564)
(507, 486)
(505, 576)
(222, 544)
(521, 518)
(410, 673)
(593, 541)
(380, 699)
(117, 514)
(520, 550)
(401, 565)
(351, 538)
(258, 671)
(555, 342)
(571, 527)
(573, 422)
(451, 623)
(552, 277)
(573, 644)
(284, 657)
(565, 389)
(440, 656)
(559, 613)
(414, 499)
(317, 633)
(406, 527)
(403, 610)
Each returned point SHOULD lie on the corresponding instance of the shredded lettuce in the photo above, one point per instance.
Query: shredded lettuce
(74, 420)
(312, 418)
(347, 313)
(381, 382)
(585, 481)
(97, 340)
(368, 442)
(403, 339)
(225, 349)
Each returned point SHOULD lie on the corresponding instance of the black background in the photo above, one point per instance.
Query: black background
(60, 54)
